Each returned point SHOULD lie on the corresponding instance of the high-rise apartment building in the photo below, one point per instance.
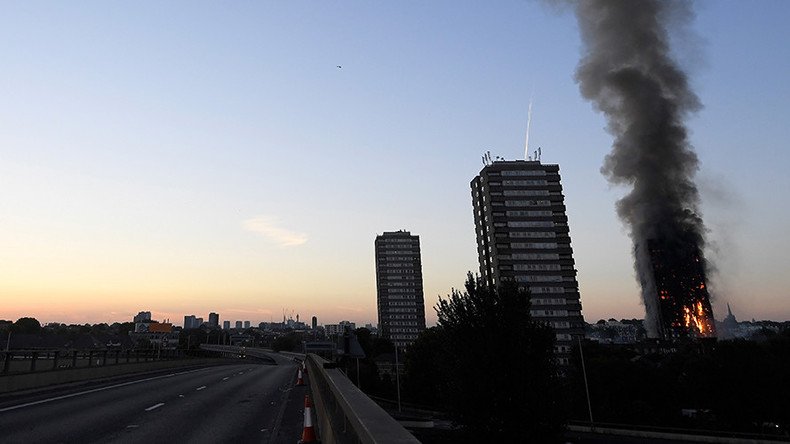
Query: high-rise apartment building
(401, 308)
(190, 321)
(523, 236)
(213, 320)
(676, 294)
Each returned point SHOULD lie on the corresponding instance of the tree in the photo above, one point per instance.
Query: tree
(289, 342)
(423, 366)
(502, 381)
(27, 325)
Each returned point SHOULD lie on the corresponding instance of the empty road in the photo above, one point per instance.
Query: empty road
(244, 402)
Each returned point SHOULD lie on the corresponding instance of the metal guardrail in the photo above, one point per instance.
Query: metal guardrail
(28, 361)
(345, 413)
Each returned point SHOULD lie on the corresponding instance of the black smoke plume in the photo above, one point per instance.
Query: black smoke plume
(628, 73)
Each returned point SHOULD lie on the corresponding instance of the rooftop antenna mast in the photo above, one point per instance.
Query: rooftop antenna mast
(529, 122)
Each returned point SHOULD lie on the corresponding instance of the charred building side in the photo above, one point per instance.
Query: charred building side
(676, 287)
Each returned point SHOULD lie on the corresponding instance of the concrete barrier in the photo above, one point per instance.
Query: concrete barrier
(346, 414)
(25, 381)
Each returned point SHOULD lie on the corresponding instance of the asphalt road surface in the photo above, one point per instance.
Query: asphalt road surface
(239, 403)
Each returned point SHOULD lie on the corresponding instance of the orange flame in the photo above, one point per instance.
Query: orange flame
(695, 317)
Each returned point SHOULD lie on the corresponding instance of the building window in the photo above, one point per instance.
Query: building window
(527, 203)
(543, 234)
(526, 192)
(523, 183)
(541, 245)
(524, 173)
(531, 224)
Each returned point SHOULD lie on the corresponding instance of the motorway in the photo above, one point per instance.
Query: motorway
(238, 402)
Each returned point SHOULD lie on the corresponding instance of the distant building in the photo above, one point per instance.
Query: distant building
(157, 327)
(729, 328)
(315, 322)
(213, 320)
(401, 308)
(160, 335)
(190, 321)
(340, 328)
(238, 325)
(226, 325)
(347, 324)
(523, 236)
(246, 324)
(616, 332)
(141, 321)
(142, 316)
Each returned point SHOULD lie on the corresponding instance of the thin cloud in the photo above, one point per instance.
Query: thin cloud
(353, 309)
(267, 227)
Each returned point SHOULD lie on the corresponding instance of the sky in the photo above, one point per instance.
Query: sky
(241, 157)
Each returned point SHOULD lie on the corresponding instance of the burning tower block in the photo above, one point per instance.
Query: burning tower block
(678, 291)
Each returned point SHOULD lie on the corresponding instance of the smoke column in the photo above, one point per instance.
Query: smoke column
(627, 72)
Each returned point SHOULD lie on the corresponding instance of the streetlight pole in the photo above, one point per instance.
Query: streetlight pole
(8, 342)
(397, 376)
(586, 387)
(359, 386)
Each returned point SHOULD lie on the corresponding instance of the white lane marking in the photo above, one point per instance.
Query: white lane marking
(226, 378)
(132, 426)
(180, 396)
(155, 406)
(200, 388)
(240, 373)
(71, 395)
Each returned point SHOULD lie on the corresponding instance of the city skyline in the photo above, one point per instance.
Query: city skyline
(238, 159)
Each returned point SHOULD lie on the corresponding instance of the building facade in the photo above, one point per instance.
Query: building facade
(401, 308)
(523, 236)
(190, 321)
(213, 320)
(676, 292)
(340, 328)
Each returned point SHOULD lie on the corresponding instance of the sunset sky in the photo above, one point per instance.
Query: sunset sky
(187, 157)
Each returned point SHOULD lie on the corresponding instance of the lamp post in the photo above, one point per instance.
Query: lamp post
(397, 376)
(586, 387)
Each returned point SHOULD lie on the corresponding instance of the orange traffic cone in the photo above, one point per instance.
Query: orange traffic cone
(308, 434)
(299, 380)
